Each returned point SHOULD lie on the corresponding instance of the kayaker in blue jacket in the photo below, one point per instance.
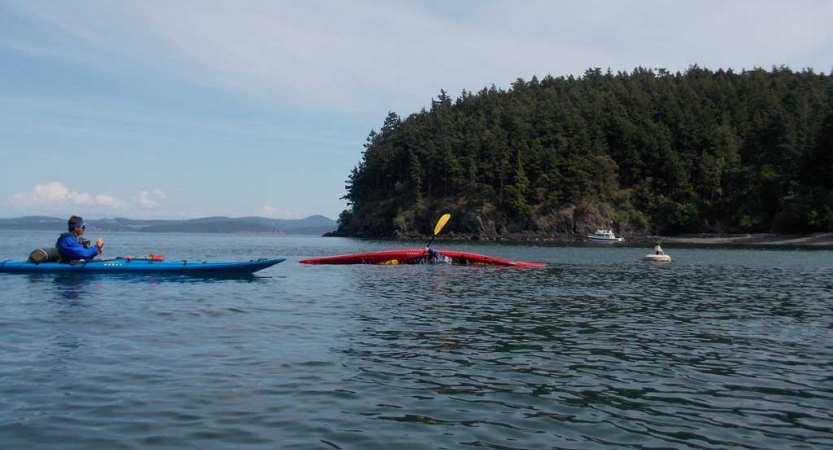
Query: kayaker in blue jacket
(72, 246)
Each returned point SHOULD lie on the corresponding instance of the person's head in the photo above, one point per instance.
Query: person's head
(76, 225)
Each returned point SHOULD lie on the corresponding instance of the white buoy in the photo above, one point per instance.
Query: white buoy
(657, 256)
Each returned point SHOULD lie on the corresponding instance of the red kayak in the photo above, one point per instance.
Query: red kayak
(418, 256)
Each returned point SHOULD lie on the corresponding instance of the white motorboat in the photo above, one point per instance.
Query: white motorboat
(604, 236)
(657, 256)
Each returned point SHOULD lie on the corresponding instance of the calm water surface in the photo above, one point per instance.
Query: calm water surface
(723, 348)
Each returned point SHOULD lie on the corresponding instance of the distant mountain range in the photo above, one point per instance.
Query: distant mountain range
(312, 225)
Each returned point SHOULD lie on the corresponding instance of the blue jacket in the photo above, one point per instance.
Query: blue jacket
(71, 249)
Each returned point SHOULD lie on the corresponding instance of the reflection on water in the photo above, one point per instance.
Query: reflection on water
(79, 286)
(75, 288)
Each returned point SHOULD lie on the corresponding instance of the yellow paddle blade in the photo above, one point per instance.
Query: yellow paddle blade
(441, 223)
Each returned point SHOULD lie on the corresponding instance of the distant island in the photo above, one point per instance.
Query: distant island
(312, 225)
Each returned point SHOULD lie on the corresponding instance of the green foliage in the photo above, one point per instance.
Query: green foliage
(694, 151)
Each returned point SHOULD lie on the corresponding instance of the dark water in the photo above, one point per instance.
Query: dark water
(724, 348)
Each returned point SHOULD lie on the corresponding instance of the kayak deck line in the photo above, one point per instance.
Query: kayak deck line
(142, 266)
(418, 256)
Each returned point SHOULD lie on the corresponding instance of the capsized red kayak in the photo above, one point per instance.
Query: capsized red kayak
(417, 256)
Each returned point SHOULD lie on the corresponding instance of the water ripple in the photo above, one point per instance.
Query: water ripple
(721, 349)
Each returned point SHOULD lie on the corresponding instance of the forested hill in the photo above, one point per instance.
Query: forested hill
(649, 151)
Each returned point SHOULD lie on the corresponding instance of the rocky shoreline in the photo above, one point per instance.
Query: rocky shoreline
(817, 239)
(758, 239)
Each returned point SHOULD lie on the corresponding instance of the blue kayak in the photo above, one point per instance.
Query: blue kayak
(142, 266)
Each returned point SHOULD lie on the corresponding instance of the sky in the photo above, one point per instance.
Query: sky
(168, 109)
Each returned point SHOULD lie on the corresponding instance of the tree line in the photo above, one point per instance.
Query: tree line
(650, 150)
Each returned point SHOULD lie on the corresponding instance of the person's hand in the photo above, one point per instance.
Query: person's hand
(99, 243)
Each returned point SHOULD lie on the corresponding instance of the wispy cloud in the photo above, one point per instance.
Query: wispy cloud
(122, 121)
(377, 54)
(151, 199)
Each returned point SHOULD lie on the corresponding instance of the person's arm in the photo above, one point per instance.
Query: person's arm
(71, 249)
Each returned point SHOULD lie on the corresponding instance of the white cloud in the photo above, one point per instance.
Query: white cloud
(151, 199)
(54, 195)
(42, 194)
(108, 201)
(276, 213)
